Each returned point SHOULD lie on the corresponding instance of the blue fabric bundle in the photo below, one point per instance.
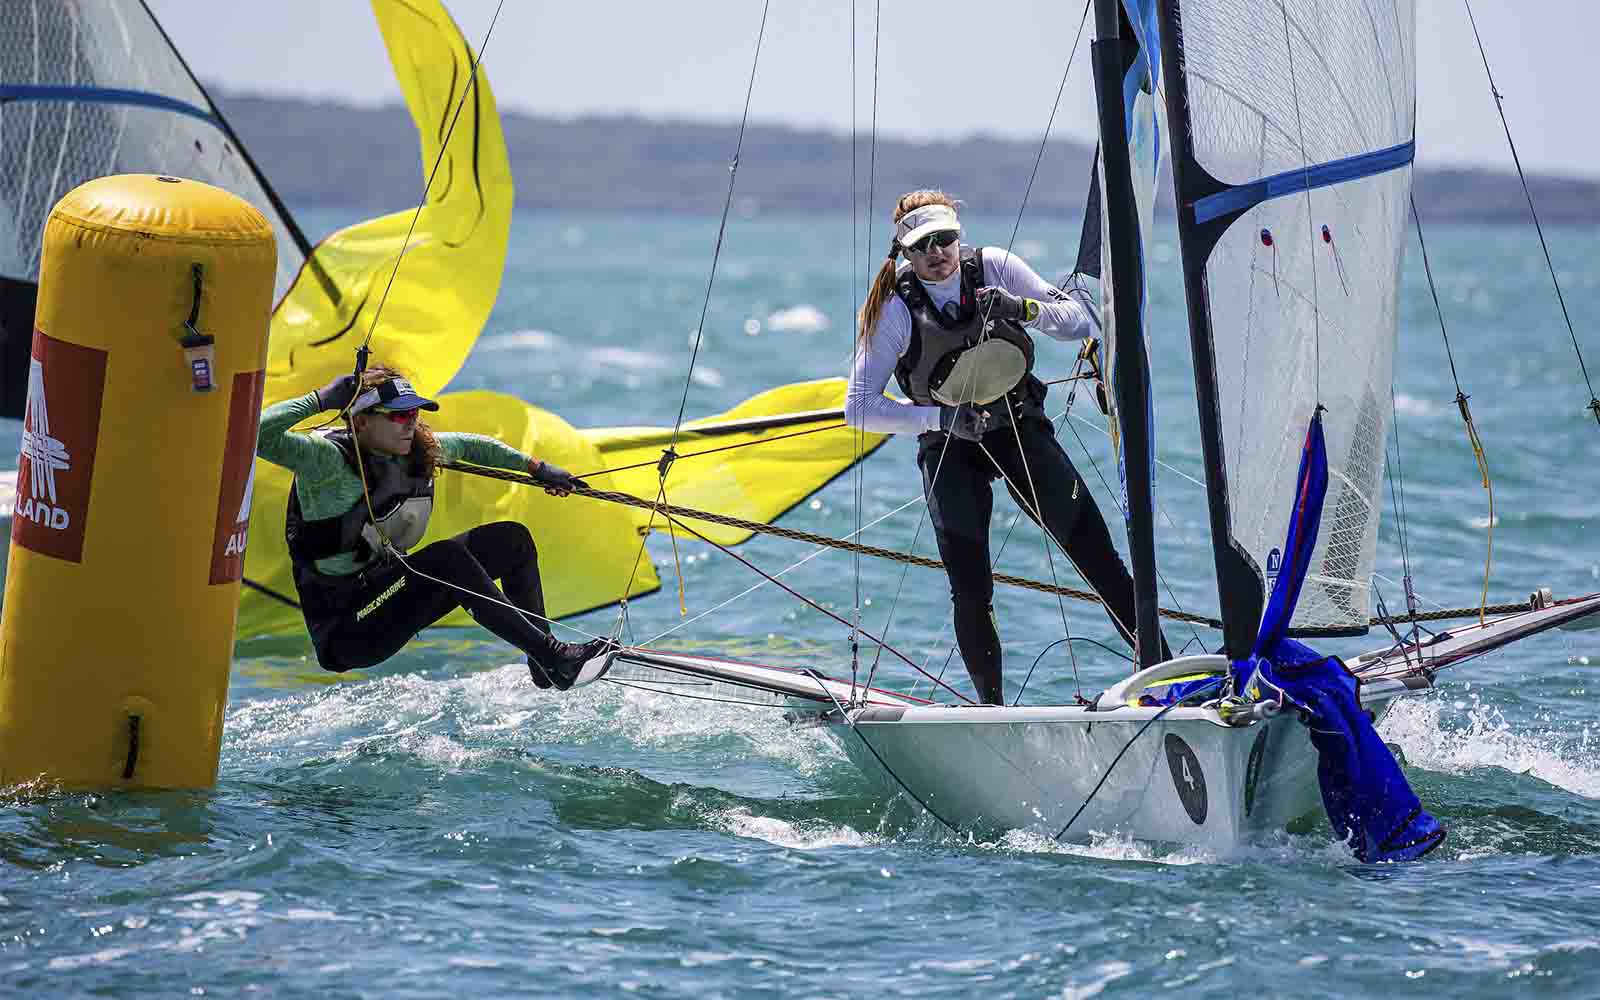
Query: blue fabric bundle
(1369, 801)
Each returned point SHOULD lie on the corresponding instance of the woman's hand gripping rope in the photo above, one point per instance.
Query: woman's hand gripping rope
(556, 481)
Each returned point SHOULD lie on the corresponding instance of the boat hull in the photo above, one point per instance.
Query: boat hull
(1187, 778)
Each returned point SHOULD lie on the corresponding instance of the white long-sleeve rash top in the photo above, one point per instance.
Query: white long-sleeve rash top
(866, 407)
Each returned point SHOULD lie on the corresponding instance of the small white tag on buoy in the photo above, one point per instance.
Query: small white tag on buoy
(200, 354)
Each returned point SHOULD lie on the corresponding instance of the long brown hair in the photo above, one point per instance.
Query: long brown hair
(883, 282)
(425, 454)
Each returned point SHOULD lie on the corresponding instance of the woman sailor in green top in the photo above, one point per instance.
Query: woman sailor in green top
(361, 605)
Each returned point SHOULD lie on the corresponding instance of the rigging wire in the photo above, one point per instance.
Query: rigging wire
(939, 466)
(1126, 746)
(1398, 500)
(1499, 104)
(669, 455)
(362, 352)
(856, 341)
(405, 245)
(1464, 409)
(855, 348)
(819, 550)
(854, 728)
(759, 527)
(677, 522)
(1016, 430)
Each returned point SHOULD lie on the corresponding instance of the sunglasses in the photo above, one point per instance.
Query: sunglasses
(402, 417)
(938, 241)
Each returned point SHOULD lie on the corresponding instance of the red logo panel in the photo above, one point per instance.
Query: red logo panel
(66, 386)
(238, 478)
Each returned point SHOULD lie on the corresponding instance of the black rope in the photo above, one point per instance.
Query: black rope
(1499, 103)
(1067, 639)
(1438, 310)
(1125, 747)
(877, 756)
(264, 589)
(133, 748)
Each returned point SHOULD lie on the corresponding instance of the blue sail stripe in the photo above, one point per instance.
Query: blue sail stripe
(1246, 196)
(104, 95)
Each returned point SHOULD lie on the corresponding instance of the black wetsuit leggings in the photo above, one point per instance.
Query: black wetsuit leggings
(960, 501)
(395, 605)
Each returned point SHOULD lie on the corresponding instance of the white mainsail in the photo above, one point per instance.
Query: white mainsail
(93, 87)
(1301, 117)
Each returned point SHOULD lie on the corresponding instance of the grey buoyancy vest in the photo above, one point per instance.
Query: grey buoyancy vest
(938, 340)
(402, 500)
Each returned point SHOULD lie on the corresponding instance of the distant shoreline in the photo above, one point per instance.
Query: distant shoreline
(366, 157)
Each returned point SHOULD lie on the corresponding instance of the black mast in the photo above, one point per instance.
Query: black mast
(1115, 50)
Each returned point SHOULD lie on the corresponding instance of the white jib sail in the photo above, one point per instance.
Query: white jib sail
(1308, 108)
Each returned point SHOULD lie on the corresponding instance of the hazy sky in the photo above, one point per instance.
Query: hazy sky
(942, 71)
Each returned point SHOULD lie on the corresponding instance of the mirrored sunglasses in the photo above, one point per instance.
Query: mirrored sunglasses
(937, 241)
(398, 416)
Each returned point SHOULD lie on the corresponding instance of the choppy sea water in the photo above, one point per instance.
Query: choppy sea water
(438, 825)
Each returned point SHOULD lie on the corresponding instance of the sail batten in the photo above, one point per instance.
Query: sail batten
(1300, 179)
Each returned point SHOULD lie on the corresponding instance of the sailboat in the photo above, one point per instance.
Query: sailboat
(1291, 130)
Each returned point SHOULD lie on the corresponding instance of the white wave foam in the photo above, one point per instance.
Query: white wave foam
(624, 358)
(1411, 406)
(1418, 726)
(62, 963)
(742, 822)
(520, 340)
(1101, 846)
(798, 319)
(1105, 974)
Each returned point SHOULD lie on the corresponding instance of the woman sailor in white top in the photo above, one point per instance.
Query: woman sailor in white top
(952, 326)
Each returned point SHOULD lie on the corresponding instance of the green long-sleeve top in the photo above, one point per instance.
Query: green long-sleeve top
(324, 480)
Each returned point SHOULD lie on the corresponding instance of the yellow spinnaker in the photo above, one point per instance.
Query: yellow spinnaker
(450, 275)
(787, 458)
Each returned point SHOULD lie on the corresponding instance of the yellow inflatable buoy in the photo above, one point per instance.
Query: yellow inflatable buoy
(134, 485)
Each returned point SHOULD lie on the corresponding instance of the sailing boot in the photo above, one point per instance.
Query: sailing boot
(560, 664)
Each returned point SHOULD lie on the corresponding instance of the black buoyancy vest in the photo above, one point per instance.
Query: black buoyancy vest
(402, 499)
(937, 340)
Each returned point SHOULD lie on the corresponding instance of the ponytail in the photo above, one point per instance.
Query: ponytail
(877, 295)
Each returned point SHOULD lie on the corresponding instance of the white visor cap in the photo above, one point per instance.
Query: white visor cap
(921, 222)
